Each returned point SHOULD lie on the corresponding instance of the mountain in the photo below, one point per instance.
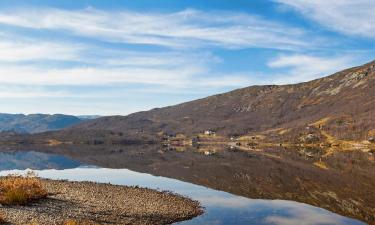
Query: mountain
(35, 161)
(339, 106)
(88, 117)
(344, 103)
(36, 123)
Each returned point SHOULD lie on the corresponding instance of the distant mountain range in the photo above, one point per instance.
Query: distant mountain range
(37, 123)
(341, 106)
(35, 161)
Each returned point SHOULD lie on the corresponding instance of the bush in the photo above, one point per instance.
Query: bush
(21, 190)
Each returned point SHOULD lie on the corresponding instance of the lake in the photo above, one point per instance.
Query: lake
(221, 207)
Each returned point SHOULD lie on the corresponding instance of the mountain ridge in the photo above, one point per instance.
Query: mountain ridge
(336, 107)
(257, 108)
(36, 123)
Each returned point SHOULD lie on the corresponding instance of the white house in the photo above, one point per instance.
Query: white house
(209, 132)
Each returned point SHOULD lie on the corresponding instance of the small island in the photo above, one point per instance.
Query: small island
(30, 200)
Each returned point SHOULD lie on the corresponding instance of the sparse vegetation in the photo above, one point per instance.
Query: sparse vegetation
(75, 222)
(2, 218)
(21, 190)
(321, 165)
(68, 222)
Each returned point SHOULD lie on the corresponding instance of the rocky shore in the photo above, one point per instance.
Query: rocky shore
(102, 204)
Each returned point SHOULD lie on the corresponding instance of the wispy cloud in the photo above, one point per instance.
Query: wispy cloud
(301, 68)
(84, 64)
(185, 29)
(162, 77)
(180, 69)
(297, 214)
(347, 16)
(49, 53)
(91, 75)
(14, 48)
(181, 77)
(29, 92)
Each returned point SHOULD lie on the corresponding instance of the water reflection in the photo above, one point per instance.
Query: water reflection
(220, 207)
(35, 160)
(270, 174)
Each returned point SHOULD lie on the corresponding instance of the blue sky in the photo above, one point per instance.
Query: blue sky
(118, 57)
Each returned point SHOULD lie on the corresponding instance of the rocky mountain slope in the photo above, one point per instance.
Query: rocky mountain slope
(345, 101)
(338, 107)
(36, 123)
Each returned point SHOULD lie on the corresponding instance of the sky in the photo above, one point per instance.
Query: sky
(96, 57)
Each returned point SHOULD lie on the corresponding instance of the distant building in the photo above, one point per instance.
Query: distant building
(209, 132)
(209, 152)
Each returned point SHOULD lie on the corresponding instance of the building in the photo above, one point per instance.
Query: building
(209, 132)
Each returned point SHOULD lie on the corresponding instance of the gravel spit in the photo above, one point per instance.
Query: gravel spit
(103, 204)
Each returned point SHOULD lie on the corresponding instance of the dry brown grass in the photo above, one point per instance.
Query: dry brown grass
(21, 190)
(72, 222)
(75, 222)
(2, 218)
(321, 165)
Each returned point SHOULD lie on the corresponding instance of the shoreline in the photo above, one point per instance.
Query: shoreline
(103, 204)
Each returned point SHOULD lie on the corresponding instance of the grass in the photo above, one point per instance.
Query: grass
(68, 222)
(21, 190)
(75, 222)
(2, 218)
(321, 165)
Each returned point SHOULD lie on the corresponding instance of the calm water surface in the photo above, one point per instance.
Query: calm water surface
(220, 207)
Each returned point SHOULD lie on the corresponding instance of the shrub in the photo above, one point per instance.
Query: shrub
(21, 190)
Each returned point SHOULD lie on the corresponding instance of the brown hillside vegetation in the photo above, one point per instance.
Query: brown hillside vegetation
(343, 101)
(347, 98)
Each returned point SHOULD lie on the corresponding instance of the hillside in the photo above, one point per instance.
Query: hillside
(345, 101)
(36, 123)
(338, 107)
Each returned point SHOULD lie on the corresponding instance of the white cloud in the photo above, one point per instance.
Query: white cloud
(22, 51)
(161, 59)
(29, 92)
(302, 214)
(302, 68)
(176, 69)
(46, 65)
(230, 80)
(95, 65)
(229, 201)
(180, 77)
(354, 17)
(185, 29)
(17, 49)
(25, 75)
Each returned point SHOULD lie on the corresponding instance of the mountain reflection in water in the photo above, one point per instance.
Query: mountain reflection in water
(272, 174)
(35, 160)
